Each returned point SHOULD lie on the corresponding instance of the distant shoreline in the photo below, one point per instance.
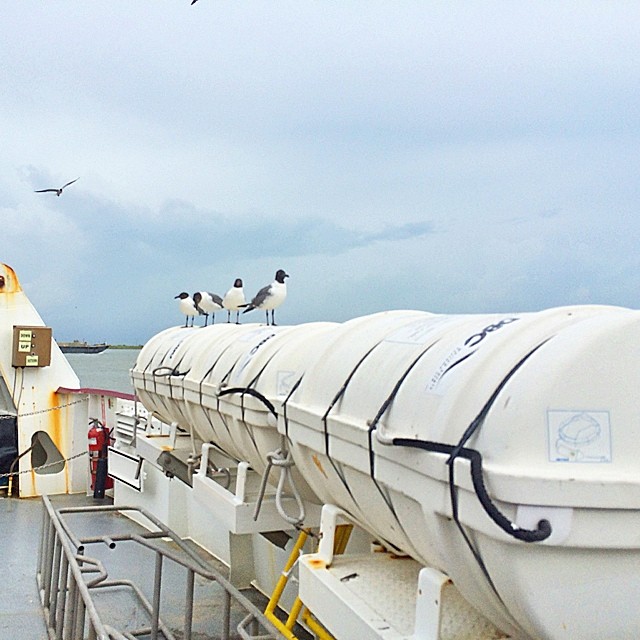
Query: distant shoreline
(125, 346)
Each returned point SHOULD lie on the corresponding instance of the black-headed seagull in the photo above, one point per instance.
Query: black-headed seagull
(270, 297)
(188, 307)
(234, 300)
(207, 303)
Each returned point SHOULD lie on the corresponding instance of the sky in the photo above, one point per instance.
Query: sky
(452, 157)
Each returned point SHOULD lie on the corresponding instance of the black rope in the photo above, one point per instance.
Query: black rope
(166, 372)
(284, 405)
(479, 419)
(475, 458)
(252, 392)
(453, 495)
(373, 425)
(325, 426)
(221, 384)
(205, 409)
(150, 360)
(543, 530)
(339, 395)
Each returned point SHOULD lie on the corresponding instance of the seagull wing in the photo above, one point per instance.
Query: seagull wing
(68, 183)
(216, 298)
(45, 190)
(261, 296)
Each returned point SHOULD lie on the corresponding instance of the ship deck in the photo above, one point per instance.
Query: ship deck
(21, 614)
(20, 611)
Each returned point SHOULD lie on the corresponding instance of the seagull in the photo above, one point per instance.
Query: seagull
(188, 307)
(207, 303)
(234, 300)
(271, 296)
(58, 192)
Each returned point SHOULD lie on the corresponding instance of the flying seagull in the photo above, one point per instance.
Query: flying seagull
(234, 300)
(207, 303)
(58, 192)
(271, 296)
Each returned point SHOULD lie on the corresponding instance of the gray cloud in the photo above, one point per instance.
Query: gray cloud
(449, 157)
(179, 231)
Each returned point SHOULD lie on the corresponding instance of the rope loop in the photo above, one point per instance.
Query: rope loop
(281, 458)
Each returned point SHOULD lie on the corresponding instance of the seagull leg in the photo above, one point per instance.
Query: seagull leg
(237, 317)
(228, 315)
(273, 321)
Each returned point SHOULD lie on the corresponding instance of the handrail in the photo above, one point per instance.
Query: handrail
(66, 594)
(60, 579)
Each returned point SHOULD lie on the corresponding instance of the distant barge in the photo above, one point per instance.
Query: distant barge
(82, 347)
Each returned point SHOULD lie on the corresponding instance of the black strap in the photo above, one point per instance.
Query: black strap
(251, 392)
(543, 530)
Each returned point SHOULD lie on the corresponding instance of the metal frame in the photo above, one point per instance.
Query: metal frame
(66, 577)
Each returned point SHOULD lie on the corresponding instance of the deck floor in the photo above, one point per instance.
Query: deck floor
(20, 611)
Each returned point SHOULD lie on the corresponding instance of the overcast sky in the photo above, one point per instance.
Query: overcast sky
(455, 157)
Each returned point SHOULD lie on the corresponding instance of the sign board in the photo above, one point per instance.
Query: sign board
(31, 347)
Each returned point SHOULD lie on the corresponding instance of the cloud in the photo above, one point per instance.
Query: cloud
(181, 232)
(452, 158)
(401, 232)
(114, 256)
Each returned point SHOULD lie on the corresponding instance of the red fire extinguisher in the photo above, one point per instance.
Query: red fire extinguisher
(99, 439)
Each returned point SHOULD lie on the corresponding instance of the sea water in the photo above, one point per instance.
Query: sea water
(106, 370)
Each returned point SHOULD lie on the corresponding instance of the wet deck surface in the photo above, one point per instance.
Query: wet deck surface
(20, 612)
(21, 615)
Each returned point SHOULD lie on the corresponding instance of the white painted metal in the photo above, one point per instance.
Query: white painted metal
(382, 596)
(237, 506)
(553, 397)
(39, 407)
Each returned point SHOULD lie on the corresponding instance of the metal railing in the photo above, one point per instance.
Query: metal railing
(67, 577)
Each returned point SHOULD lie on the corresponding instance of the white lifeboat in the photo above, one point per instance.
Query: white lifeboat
(501, 449)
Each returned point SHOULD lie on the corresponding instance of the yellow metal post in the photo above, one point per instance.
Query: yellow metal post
(343, 532)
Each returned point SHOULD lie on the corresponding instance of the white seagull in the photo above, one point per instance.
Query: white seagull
(58, 192)
(271, 296)
(208, 303)
(234, 300)
(188, 307)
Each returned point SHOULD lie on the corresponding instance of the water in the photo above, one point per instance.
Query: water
(106, 370)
